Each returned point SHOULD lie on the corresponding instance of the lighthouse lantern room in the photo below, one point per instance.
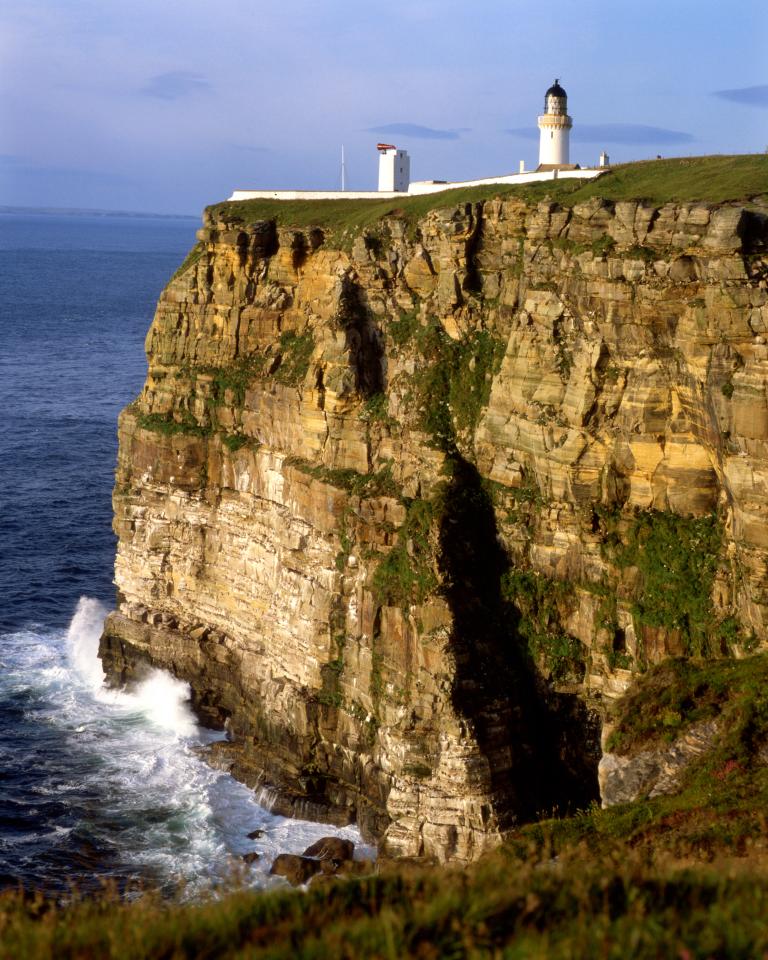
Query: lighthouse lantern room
(554, 128)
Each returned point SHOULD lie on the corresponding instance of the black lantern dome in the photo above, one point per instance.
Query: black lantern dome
(556, 90)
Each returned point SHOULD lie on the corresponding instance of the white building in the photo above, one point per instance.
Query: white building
(554, 128)
(394, 169)
(395, 165)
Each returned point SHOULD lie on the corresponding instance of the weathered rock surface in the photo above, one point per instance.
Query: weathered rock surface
(305, 529)
(296, 870)
(654, 772)
(331, 848)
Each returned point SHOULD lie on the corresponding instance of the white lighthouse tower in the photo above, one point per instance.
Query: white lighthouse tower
(555, 128)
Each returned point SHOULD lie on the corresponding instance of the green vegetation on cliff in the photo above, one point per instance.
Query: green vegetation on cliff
(715, 179)
(165, 424)
(379, 484)
(719, 809)
(675, 560)
(452, 383)
(542, 605)
(679, 692)
(406, 574)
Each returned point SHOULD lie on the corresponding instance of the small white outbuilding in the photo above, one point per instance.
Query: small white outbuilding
(394, 169)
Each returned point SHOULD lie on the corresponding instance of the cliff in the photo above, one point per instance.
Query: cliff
(409, 493)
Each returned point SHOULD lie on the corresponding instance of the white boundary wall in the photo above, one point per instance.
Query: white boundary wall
(417, 188)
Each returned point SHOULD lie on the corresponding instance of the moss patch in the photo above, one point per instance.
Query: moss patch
(295, 353)
(231, 382)
(676, 558)
(165, 424)
(677, 693)
(379, 484)
(189, 261)
(542, 605)
(236, 441)
(452, 382)
(406, 574)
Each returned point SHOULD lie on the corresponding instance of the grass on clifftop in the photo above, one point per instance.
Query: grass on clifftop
(715, 179)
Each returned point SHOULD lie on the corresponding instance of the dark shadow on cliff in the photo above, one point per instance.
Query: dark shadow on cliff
(364, 339)
(473, 282)
(540, 745)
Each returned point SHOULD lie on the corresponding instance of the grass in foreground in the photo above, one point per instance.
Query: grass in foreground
(683, 876)
(580, 906)
(715, 179)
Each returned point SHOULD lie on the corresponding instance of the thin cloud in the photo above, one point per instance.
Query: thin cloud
(175, 85)
(624, 133)
(628, 133)
(32, 172)
(415, 130)
(523, 133)
(750, 96)
(248, 148)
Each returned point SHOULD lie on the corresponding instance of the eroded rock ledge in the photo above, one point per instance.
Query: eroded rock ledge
(403, 506)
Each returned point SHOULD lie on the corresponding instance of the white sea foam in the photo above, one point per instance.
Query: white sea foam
(164, 811)
(161, 698)
(165, 701)
(83, 640)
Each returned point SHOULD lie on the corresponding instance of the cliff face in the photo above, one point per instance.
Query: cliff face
(403, 504)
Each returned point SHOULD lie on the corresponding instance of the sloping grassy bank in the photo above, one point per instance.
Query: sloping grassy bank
(716, 179)
(612, 907)
(683, 876)
(722, 809)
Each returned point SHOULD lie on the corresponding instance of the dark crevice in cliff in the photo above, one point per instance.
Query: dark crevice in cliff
(364, 339)
(540, 745)
(473, 282)
(263, 239)
(299, 251)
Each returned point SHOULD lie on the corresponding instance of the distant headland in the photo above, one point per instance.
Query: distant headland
(87, 212)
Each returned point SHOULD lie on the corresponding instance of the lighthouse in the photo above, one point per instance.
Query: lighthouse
(555, 128)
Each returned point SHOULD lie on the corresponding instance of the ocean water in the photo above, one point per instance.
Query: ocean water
(95, 783)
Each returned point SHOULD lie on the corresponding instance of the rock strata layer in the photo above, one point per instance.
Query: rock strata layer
(402, 504)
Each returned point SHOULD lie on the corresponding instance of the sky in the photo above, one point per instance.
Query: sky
(165, 106)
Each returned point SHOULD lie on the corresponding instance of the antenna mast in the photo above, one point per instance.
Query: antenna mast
(343, 171)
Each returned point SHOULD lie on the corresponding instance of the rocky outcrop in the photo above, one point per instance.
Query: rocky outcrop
(331, 848)
(654, 772)
(296, 870)
(403, 504)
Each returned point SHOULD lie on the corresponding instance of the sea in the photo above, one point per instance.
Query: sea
(97, 785)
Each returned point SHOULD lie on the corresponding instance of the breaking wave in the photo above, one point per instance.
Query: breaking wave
(110, 783)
